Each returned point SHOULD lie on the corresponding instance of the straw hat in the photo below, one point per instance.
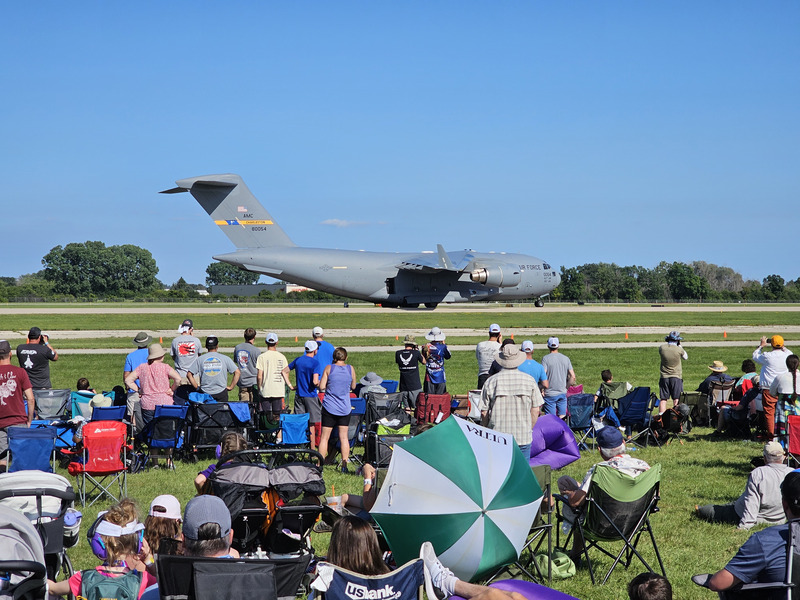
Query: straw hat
(718, 366)
(155, 351)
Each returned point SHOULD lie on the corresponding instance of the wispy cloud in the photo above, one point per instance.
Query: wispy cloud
(344, 223)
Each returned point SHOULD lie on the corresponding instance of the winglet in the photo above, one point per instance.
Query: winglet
(444, 260)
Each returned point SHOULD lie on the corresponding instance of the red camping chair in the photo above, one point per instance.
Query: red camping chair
(104, 461)
(793, 431)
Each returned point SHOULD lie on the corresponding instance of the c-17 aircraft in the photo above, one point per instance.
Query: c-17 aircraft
(390, 279)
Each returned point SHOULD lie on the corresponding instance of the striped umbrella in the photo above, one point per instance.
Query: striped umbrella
(466, 489)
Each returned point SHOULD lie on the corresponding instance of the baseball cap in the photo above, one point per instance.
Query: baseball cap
(212, 341)
(609, 437)
(527, 346)
(5, 347)
(166, 506)
(34, 333)
(317, 331)
(773, 448)
(205, 509)
(776, 341)
(494, 328)
(187, 323)
(552, 342)
(311, 345)
(272, 338)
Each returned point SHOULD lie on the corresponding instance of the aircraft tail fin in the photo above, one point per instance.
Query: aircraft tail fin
(233, 207)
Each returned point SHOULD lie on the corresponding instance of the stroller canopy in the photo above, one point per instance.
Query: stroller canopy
(31, 480)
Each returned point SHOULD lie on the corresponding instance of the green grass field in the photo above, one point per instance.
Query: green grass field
(698, 471)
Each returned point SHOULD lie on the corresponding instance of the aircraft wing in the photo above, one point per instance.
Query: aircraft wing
(457, 262)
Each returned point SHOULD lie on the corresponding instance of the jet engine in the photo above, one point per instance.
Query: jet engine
(497, 276)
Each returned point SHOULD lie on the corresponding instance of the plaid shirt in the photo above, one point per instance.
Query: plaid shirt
(514, 393)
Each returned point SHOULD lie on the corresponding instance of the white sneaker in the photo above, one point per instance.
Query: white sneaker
(439, 580)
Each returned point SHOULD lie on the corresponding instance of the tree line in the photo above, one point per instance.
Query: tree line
(698, 281)
(92, 270)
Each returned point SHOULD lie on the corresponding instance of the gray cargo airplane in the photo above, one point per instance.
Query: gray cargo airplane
(390, 279)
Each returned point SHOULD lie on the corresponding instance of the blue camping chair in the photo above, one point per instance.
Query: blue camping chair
(65, 432)
(164, 434)
(32, 448)
(405, 582)
(634, 413)
(390, 385)
(294, 429)
(580, 409)
(109, 413)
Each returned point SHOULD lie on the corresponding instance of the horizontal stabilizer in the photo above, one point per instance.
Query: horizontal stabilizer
(233, 207)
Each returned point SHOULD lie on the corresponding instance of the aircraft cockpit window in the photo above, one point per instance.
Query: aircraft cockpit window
(546, 267)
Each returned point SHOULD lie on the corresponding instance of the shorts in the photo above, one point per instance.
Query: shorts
(435, 388)
(271, 405)
(310, 405)
(330, 420)
(670, 387)
(246, 394)
(410, 397)
(555, 405)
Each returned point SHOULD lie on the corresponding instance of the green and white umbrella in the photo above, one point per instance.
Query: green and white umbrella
(466, 489)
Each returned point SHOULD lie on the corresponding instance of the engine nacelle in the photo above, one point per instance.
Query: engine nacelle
(497, 276)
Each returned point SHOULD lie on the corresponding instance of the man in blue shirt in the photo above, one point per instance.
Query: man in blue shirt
(324, 349)
(533, 368)
(133, 360)
(306, 399)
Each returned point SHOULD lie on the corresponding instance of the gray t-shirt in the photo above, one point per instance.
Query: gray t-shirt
(184, 352)
(557, 366)
(245, 356)
(213, 369)
(486, 352)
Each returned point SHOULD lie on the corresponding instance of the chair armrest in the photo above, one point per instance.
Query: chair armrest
(702, 579)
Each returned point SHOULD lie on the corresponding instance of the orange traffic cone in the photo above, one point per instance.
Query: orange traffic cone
(725, 334)
(397, 337)
(512, 336)
(161, 340)
(626, 335)
(295, 338)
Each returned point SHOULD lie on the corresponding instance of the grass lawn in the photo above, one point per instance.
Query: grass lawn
(696, 472)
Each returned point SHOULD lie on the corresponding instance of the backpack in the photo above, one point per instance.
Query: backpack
(96, 586)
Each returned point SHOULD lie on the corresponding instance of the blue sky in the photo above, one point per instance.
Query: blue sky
(575, 131)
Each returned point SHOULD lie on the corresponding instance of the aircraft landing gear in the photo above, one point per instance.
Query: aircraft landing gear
(431, 305)
(539, 303)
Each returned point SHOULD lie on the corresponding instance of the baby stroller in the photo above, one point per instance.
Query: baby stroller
(273, 495)
(24, 576)
(46, 501)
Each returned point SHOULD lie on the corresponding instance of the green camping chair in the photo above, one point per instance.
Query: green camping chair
(618, 508)
(610, 393)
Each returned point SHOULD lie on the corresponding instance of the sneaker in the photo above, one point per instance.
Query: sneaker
(439, 580)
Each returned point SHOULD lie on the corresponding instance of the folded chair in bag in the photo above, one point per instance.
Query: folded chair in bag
(53, 404)
(104, 459)
(553, 443)
(404, 583)
(580, 410)
(32, 448)
(432, 408)
(618, 508)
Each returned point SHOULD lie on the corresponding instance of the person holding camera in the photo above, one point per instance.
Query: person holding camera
(35, 356)
(772, 364)
(670, 385)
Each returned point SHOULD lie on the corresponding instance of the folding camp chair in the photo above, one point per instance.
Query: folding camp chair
(164, 433)
(580, 410)
(793, 434)
(617, 508)
(390, 385)
(109, 413)
(53, 405)
(200, 578)
(335, 583)
(541, 532)
(294, 429)
(610, 392)
(635, 409)
(104, 460)
(386, 424)
(32, 448)
(80, 404)
(719, 394)
(698, 407)
(778, 590)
